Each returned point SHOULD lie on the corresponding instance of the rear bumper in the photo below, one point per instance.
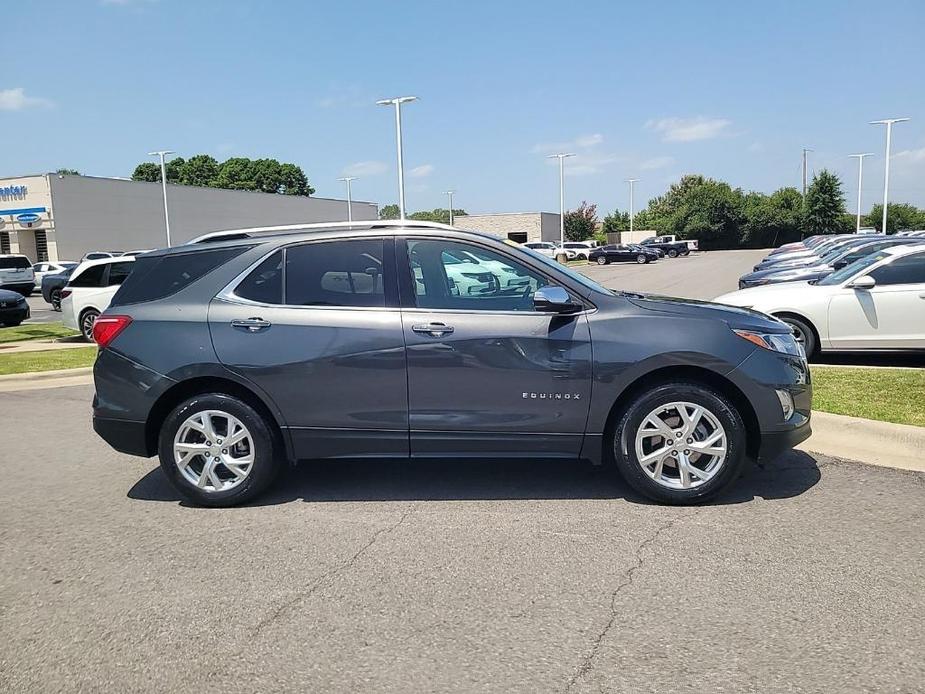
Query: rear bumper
(123, 435)
(13, 315)
(23, 288)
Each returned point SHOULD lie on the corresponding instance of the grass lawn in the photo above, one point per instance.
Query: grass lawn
(41, 331)
(890, 395)
(23, 362)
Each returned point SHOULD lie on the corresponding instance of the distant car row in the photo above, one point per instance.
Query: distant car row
(843, 293)
(645, 251)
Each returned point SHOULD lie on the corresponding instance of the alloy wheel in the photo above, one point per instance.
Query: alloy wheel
(681, 445)
(214, 451)
(87, 322)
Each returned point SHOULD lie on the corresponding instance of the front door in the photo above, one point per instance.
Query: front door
(487, 374)
(889, 315)
(317, 328)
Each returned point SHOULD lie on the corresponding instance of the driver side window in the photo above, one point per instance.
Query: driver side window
(450, 275)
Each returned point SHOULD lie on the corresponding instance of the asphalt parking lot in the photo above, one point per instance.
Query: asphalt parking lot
(495, 576)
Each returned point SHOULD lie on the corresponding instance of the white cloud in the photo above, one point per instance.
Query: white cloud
(756, 147)
(656, 163)
(589, 140)
(911, 155)
(365, 168)
(580, 142)
(689, 129)
(15, 99)
(421, 171)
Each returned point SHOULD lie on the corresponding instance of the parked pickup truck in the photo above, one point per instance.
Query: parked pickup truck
(670, 244)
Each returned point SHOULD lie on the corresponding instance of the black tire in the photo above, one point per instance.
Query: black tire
(642, 259)
(686, 253)
(672, 253)
(87, 319)
(602, 260)
(55, 299)
(624, 438)
(266, 463)
(11, 324)
(804, 333)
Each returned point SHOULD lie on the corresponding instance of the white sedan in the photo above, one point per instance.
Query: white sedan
(875, 303)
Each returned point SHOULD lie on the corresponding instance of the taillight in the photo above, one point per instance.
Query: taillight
(106, 328)
(65, 293)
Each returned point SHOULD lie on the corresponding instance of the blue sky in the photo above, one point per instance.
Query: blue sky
(732, 90)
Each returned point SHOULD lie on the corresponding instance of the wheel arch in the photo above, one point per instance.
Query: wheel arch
(674, 374)
(805, 319)
(199, 385)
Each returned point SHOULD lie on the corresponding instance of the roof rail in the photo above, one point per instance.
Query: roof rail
(231, 234)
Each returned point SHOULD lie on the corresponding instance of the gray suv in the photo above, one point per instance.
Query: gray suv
(241, 350)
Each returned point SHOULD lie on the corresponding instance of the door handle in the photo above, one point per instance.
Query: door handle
(252, 325)
(433, 329)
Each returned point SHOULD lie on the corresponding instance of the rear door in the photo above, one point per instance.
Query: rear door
(317, 327)
(487, 374)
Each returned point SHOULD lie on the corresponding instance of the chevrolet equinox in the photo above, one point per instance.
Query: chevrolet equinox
(244, 349)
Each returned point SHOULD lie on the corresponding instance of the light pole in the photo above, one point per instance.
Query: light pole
(163, 153)
(805, 150)
(397, 102)
(562, 156)
(347, 179)
(888, 122)
(860, 158)
(632, 182)
(449, 194)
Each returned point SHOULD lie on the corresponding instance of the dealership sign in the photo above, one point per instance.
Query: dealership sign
(28, 218)
(13, 191)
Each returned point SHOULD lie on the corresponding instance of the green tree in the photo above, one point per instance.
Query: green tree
(698, 208)
(616, 221)
(438, 214)
(825, 203)
(148, 171)
(68, 172)
(771, 220)
(581, 222)
(200, 170)
(389, 212)
(899, 216)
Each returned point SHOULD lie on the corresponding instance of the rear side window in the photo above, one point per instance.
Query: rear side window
(909, 269)
(90, 277)
(265, 282)
(335, 273)
(14, 263)
(118, 272)
(161, 276)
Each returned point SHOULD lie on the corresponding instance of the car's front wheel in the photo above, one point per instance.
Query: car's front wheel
(216, 450)
(803, 333)
(641, 259)
(672, 253)
(87, 321)
(602, 260)
(680, 443)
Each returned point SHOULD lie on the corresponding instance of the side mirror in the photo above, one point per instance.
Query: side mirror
(840, 264)
(554, 300)
(865, 282)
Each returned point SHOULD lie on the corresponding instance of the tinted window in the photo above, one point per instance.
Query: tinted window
(909, 269)
(265, 283)
(14, 263)
(159, 277)
(452, 275)
(118, 272)
(335, 273)
(89, 277)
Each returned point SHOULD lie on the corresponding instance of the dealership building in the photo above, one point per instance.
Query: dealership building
(55, 217)
(521, 227)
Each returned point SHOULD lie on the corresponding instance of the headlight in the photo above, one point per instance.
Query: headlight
(21, 300)
(776, 342)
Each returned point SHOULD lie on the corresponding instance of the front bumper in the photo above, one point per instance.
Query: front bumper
(773, 443)
(15, 314)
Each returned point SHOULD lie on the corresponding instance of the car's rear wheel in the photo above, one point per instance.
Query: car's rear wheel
(673, 253)
(602, 260)
(216, 450)
(804, 334)
(87, 321)
(680, 443)
(56, 299)
(641, 259)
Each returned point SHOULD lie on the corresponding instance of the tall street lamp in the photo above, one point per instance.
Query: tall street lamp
(888, 122)
(562, 156)
(347, 180)
(397, 102)
(449, 194)
(163, 153)
(860, 158)
(632, 182)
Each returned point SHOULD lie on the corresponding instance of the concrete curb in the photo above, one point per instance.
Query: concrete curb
(867, 441)
(37, 380)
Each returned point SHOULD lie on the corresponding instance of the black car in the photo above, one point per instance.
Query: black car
(242, 350)
(619, 253)
(52, 285)
(13, 308)
(671, 248)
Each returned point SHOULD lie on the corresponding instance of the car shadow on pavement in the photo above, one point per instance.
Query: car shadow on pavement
(381, 480)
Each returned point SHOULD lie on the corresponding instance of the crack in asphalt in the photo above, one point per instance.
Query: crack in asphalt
(587, 662)
(318, 583)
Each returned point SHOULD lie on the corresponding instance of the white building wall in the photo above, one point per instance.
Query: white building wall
(538, 226)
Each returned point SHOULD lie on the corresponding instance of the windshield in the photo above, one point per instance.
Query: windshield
(849, 271)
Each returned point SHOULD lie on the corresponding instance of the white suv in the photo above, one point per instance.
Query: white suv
(90, 289)
(16, 274)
